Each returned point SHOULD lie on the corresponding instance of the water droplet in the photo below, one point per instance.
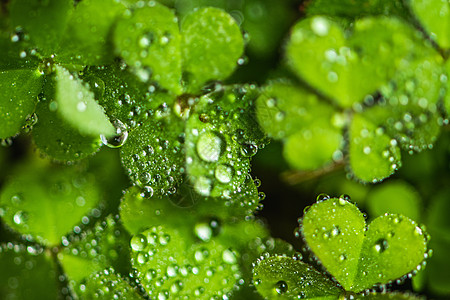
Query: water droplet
(119, 138)
(322, 197)
(209, 146)
(201, 254)
(146, 40)
(203, 231)
(147, 192)
(224, 173)
(281, 287)
(150, 274)
(145, 177)
(203, 186)
(142, 257)
(138, 242)
(381, 245)
(343, 199)
(248, 150)
(320, 26)
(20, 217)
(176, 287)
(172, 270)
(229, 256)
(16, 199)
(342, 257)
(335, 231)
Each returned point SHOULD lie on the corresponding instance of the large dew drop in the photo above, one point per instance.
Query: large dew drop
(281, 287)
(138, 242)
(224, 173)
(209, 146)
(117, 140)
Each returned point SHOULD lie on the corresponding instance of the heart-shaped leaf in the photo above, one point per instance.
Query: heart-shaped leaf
(340, 64)
(360, 257)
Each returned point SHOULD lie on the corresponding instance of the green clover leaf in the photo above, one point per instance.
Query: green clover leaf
(337, 62)
(360, 256)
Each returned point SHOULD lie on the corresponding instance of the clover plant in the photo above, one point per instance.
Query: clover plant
(134, 134)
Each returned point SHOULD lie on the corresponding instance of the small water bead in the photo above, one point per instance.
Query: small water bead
(335, 231)
(142, 257)
(172, 270)
(381, 245)
(281, 287)
(249, 150)
(145, 177)
(176, 287)
(201, 254)
(164, 239)
(210, 146)
(343, 199)
(322, 197)
(203, 186)
(229, 256)
(224, 173)
(138, 242)
(20, 217)
(342, 257)
(203, 231)
(147, 192)
(119, 138)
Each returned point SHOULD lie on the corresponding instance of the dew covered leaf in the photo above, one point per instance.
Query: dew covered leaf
(201, 270)
(153, 155)
(47, 201)
(44, 21)
(123, 96)
(212, 44)
(105, 244)
(395, 197)
(373, 154)
(342, 67)
(149, 41)
(391, 246)
(221, 135)
(434, 16)
(20, 89)
(56, 138)
(87, 38)
(284, 277)
(108, 284)
(27, 273)
(76, 104)
(15, 52)
(411, 101)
